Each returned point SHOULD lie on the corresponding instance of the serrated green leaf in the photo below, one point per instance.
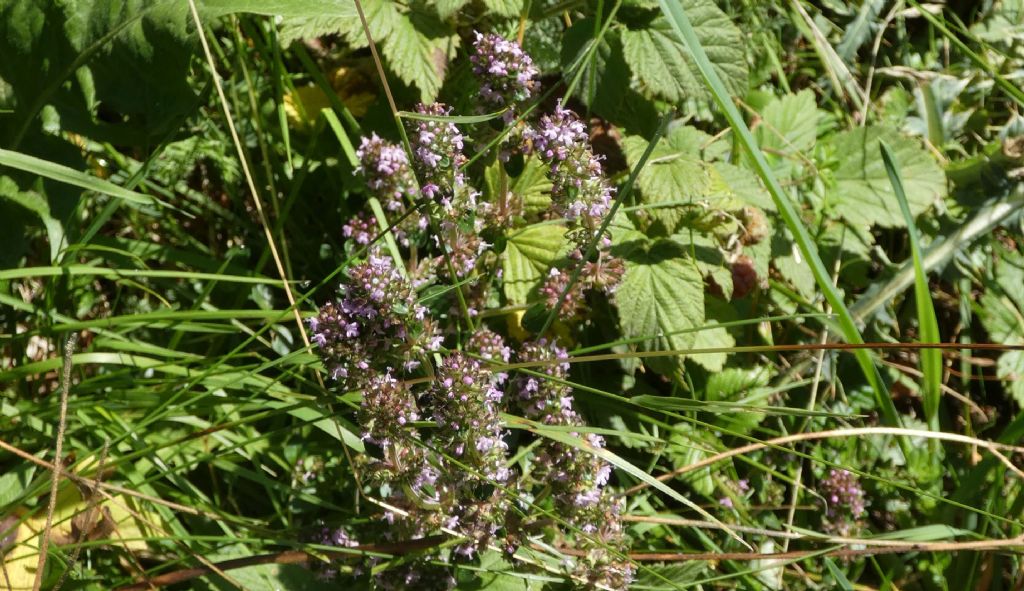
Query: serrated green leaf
(863, 195)
(1010, 368)
(529, 254)
(504, 7)
(1001, 309)
(533, 187)
(662, 292)
(733, 183)
(418, 51)
(416, 45)
(664, 66)
(447, 8)
(497, 574)
(601, 85)
(717, 337)
(787, 131)
(675, 173)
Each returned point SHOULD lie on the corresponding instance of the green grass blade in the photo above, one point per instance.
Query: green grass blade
(70, 176)
(339, 132)
(452, 118)
(389, 238)
(677, 16)
(931, 359)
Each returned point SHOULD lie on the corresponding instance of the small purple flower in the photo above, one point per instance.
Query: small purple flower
(439, 159)
(367, 325)
(507, 74)
(845, 501)
(386, 170)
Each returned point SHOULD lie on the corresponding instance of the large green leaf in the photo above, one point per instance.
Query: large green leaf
(661, 294)
(863, 194)
(787, 131)
(131, 57)
(416, 45)
(601, 85)
(418, 51)
(1001, 309)
(665, 67)
(285, 8)
(529, 254)
(675, 173)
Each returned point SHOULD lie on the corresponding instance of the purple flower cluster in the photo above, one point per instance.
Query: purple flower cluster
(579, 190)
(844, 501)
(466, 403)
(386, 170)
(602, 274)
(463, 246)
(360, 228)
(576, 476)
(456, 476)
(387, 409)
(367, 327)
(507, 74)
(337, 537)
(438, 148)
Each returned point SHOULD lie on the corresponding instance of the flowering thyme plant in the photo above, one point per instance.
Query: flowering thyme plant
(440, 456)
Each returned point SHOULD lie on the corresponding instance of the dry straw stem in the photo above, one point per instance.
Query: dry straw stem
(58, 460)
(761, 349)
(838, 433)
(248, 178)
(786, 535)
(106, 486)
(976, 546)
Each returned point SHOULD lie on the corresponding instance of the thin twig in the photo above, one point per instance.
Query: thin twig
(58, 461)
(847, 347)
(264, 222)
(83, 480)
(90, 522)
(991, 446)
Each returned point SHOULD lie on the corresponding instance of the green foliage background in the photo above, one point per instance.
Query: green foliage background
(125, 217)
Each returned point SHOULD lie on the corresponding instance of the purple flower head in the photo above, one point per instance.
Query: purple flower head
(842, 491)
(579, 190)
(438, 147)
(360, 229)
(368, 324)
(387, 409)
(507, 74)
(466, 402)
(386, 170)
(845, 502)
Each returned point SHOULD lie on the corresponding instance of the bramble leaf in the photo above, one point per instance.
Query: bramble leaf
(863, 194)
(529, 254)
(664, 66)
(661, 294)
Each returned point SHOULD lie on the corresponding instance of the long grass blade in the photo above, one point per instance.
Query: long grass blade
(677, 16)
(931, 359)
(70, 176)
